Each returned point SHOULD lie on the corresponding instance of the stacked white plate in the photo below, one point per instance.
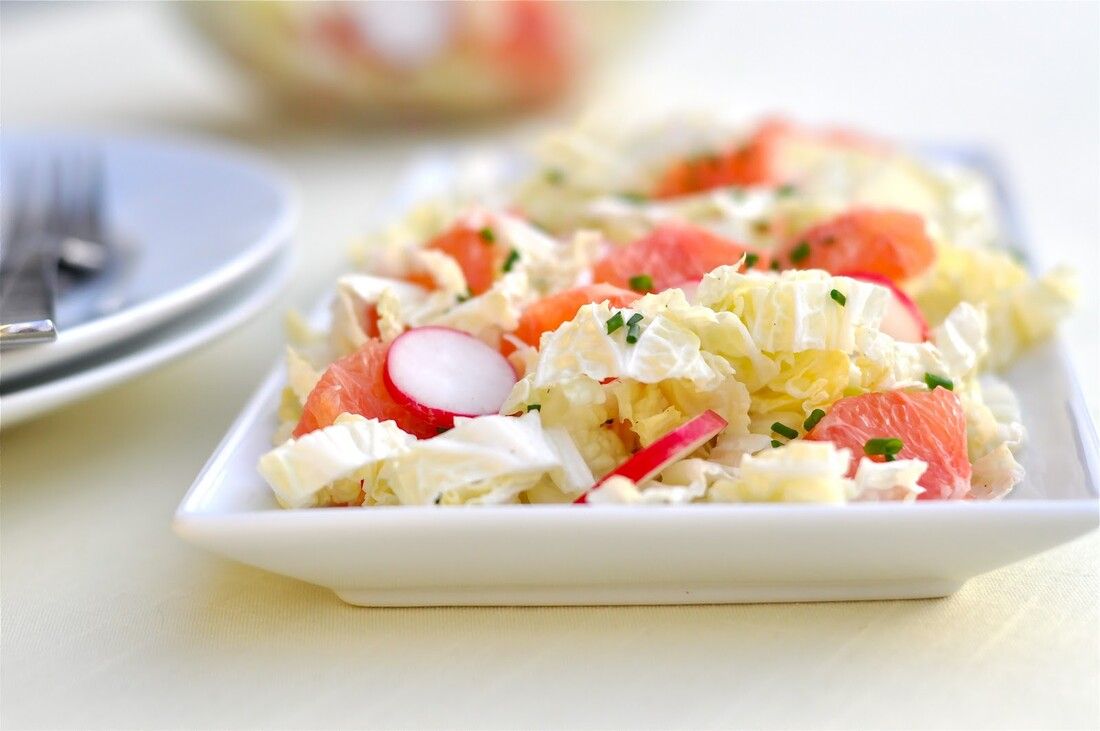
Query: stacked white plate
(204, 231)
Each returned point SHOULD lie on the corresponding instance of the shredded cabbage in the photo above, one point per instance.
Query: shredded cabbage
(329, 466)
(799, 471)
(488, 459)
(793, 311)
(1021, 310)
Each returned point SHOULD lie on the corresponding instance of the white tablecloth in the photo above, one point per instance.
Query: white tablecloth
(109, 621)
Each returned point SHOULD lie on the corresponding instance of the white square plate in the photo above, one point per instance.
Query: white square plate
(514, 555)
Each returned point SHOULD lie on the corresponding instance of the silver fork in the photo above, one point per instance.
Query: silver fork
(28, 263)
(57, 226)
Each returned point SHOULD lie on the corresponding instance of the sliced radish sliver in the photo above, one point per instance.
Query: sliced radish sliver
(903, 320)
(441, 373)
(677, 444)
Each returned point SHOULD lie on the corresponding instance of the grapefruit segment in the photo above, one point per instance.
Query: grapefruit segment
(888, 243)
(756, 162)
(669, 256)
(930, 424)
(475, 249)
(551, 311)
(355, 384)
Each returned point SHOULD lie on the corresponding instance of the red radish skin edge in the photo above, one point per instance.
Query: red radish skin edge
(442, 418)
(677, 444)
(901, 297)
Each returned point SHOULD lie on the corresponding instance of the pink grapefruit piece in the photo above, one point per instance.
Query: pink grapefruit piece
(930, 424)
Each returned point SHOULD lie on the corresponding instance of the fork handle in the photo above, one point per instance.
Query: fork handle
(33, 331)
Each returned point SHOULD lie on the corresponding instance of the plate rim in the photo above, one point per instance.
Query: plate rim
(244, 303)
(89, 337)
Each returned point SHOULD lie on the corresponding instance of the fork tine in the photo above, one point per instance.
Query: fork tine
(84, 248)
(97, 198)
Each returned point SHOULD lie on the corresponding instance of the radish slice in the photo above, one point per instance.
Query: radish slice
(903, 320)
(441, 373)
(677, 444)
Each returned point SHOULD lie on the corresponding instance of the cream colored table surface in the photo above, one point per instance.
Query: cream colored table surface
(109, 621)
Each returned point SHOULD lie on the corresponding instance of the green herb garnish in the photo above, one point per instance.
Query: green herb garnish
(513, 257)
(783, 430)
(632, 332)
(811, 421)
(838, 297)
(487, 235)
(776, 443)
(751, 259)
(635, 318)
(534, 407)
(774, 266)
(554, 176)
(641, 283)
(888, 447)
(614, 322)
(800, 252)
(933, 380)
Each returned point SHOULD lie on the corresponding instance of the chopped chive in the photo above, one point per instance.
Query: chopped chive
(933, 380)
(776, 443)
(774, 266)
(513, 257)
(811, 421)
(554, 176)
(534, 407)
(614, 322)
(631, 197)
(641, 283)
(838, 297)
(800, 252)
(751, 259)
(785, 190)
(783, 430)
(888, 447)
(635, 318)
(632, 333)
(487, 235)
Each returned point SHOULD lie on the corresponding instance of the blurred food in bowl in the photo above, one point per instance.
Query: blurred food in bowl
(374, 58)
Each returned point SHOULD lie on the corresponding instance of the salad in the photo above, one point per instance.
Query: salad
(686, 311)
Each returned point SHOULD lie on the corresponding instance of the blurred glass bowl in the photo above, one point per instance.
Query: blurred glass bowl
(373, 58)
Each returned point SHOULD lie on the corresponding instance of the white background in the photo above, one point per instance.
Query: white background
(109, 621)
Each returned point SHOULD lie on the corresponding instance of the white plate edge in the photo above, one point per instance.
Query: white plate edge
(35, 400)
